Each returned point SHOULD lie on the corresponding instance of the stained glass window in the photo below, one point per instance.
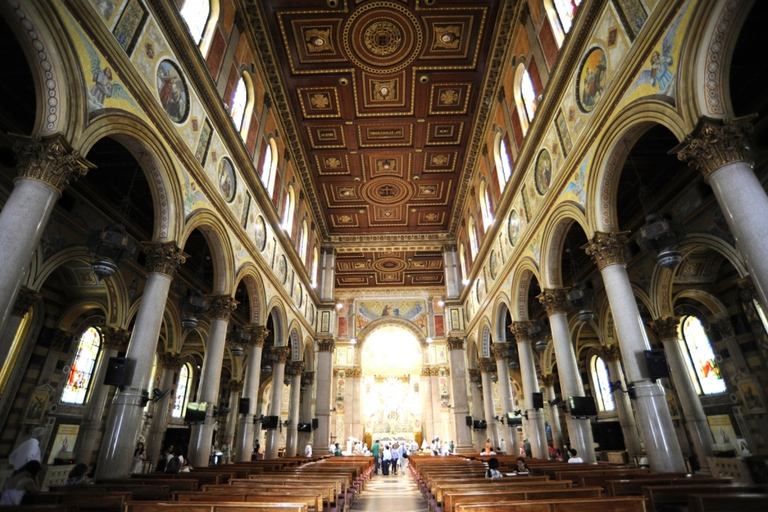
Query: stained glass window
(303, 236)
(196, 13)
(289, 210)
(701, 358)
(603, 381)
(566, 11)
(315, 264)
(81, 371)
(269, 167)
(528, 94)
(474, 246)
(504, 166)
(181, 392)
(239, 100)
(463, 263)
(485, 204)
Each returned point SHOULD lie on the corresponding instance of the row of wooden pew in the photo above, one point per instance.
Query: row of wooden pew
(458, 484)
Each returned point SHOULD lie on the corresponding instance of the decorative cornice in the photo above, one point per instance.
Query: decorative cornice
(455, 343)
(666, 327)
(607, 249)
(500, 350)
(611, 353)
(715, 144)
(235, 386)
(258, 334)
(49, 160)
(170, 360)
(521, 330)
(326, 345)
(59, 339)
(163, 257)
(221, 306)
(554, 300)
(24, 301)
(281, 354)
(486, 364)
(116, 338)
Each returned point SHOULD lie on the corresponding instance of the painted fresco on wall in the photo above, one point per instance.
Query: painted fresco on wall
(129, 25)
(106, 8)
(632, 16)
(172, 91)
(526, 204)
(260, 234)
(513, 227)
(543, 172)
(412, 310)
(592, 79)
(575, 191)
(204, 142)
(562, 133)
(227, 180)
(244, 209)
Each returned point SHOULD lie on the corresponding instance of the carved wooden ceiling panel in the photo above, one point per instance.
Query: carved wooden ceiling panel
(384, 95)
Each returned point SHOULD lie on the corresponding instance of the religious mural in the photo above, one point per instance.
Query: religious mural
(412, 310)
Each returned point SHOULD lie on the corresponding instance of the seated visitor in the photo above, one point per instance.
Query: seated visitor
(573, 456)
(493, 469)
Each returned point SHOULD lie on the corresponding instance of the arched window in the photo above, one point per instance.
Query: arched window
(485, 206)
(315, 265)
(503, 164)
(238, 103)
(303, 241)
(180, 402)
(196, 14)
(474, 245)
(528, 95)
(79, 380)
(566, 11)
(269, 166)
(701, 363)
(289, 210)
(463, 264)
(602, 382)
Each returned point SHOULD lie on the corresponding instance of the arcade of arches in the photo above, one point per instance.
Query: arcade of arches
(229, 222)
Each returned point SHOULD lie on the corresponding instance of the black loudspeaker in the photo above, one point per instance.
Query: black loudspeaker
(656, 361)
(244, 405)
(469, 421)
(116, 369)
(314, 423)
(270, 422)
(538, 400)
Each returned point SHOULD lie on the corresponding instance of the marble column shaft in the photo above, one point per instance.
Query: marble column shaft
(305, 411)
(695, 418)
(631, 434)
(460, 399)
(554, 411)
(354, 408)
(426, 404)
(655, 422)
(478, 413)
(579, 431)
(235, 388)
(437, 405)
(507, 397)
(245, 431)
(486, 365)
(45, 167)
(276, 400)
(125, 415)
(201, 435)
(292, 438)
(115, 340)
(322, 436)
(537, 433)
(170, 364)
(720, 150)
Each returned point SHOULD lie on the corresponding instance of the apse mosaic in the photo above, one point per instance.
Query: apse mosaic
(412, 310)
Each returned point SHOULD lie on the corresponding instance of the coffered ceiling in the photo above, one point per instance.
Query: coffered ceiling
(383, 98)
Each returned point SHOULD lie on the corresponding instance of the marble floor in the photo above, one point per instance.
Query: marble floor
(390, 493)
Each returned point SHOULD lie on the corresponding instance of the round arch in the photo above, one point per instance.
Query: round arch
(218, 240)
(276, 310)
(557, 227)
(525, 270)
(295, 338)
(250, 276)
(407, 325)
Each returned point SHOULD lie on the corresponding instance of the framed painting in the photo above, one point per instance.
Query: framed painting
(455, 321)
(36, 407)
(563, 135)
(172, 91)
(325, 321)
(260, 234)
(129, 25)
(227, 180)
(63, 443)
(751, 394)
(204, 142)
(526, 204)
(591, 79)
(246, 207)
(513, 227)
(543, 172)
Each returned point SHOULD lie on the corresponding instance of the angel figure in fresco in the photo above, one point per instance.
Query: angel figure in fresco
(660, 74)
(103, 85)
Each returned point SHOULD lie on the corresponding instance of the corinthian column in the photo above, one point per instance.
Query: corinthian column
(169, 364)
(537, 432)
(659, 439)
(720, 151)
(201, 435)
(354, 411)
(305, 413)
(324, 374)
(486, 366)
(276, 401)
(460, 400)
(291, 442)
(554, 412)
(125, 415)
(579, 431)
(251, 392)
(500, 351)
(475, 386)
(235, 388)
(611, 355)
(696, 420)
(45, 168)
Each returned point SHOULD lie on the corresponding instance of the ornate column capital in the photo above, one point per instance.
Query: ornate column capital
(474, 374)
(425, 371)
(49, 160)
(258, 334)
(221, 306)
(665, 327)
(724, 327)
(486, 364)
(308, 378)
(235, 386)
(170, 360)
(281, 354)
(24, 301)
(554, 300)
(326, 344)
(59, 339)
(548, 379)
(163, 257)
(500, 350)
(297, 367)
(116, 338)
(714, 144)
(355, 372)
(607, 249)
(521, 330)
(611, 352)
(455, 343)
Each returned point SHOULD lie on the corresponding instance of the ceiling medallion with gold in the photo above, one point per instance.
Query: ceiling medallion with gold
(382, 37)
(387, 190)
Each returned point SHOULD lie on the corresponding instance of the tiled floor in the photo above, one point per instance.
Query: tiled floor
(391, 493)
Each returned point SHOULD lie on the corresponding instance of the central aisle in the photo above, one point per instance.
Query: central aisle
(390, 493)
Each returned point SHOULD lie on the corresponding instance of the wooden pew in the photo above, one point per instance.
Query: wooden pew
(40, 508)
(314, 500)
(180, 506)
(676, 496)
(326, 491)
(174, 484)
(498, 483)
(618, 504)
(138, 492)
(746, 502)
(452, 499)
(96, 501)
(635, 486)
